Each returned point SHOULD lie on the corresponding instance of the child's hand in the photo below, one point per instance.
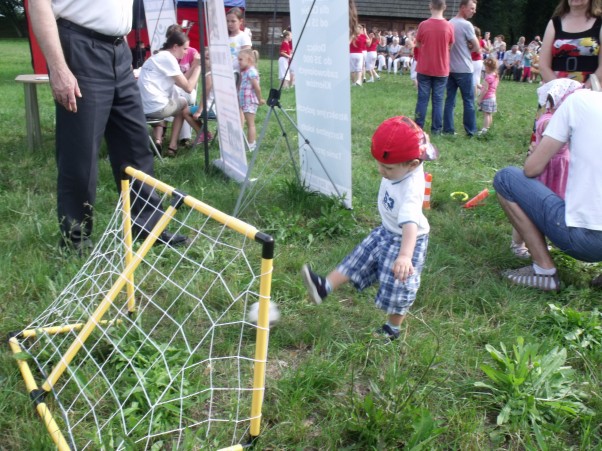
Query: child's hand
(531, 148)
(403, 268)
(262, 102)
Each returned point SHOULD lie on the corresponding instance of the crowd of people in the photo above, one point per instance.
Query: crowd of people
(377, 51)
(441, 58)
(444, 56)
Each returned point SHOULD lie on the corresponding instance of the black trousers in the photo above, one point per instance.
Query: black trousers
(517, 72)
(110, 107)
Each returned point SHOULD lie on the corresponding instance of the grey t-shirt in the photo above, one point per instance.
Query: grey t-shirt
(459, 54)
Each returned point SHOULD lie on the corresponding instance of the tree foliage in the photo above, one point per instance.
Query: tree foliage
(14, 12)
(514, 18)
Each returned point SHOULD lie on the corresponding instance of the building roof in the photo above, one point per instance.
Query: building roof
(415, 9)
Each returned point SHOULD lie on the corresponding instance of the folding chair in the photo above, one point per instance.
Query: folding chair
(153, 123)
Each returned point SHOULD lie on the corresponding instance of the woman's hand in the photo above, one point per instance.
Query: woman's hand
(197, 58)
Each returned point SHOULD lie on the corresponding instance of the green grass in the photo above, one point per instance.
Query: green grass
(330, 385)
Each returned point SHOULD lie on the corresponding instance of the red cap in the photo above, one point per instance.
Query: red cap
(397, 140)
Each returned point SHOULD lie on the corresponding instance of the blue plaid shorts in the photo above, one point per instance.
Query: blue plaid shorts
(372, 261)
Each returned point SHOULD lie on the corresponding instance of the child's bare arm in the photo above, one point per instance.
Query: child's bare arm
(402, 267)
(484, 90)
(257, 89)
(532, 144)
(541, 156)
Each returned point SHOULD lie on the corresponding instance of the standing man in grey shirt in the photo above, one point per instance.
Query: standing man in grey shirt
(96, 96)
(460, 70)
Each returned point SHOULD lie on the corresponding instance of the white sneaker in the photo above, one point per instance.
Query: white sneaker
(370, 81)
(520, 250)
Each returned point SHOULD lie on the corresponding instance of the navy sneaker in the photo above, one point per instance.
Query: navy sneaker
(389, 332)
(316, 285)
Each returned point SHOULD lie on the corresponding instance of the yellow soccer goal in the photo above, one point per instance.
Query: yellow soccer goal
(150, 346)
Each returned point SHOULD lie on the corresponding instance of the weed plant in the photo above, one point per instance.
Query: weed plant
(580, 331)
(330, 384)
(534, 390)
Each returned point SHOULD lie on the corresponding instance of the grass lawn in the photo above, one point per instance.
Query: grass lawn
(446, 384)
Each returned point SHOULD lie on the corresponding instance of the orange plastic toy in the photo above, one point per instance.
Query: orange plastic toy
(476, 201)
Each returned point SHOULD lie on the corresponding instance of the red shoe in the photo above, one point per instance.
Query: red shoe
(201, 137)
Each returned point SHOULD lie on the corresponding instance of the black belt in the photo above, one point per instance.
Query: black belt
(115, 40)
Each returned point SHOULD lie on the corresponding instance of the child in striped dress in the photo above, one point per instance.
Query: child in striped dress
(249, 93)
(487, 100)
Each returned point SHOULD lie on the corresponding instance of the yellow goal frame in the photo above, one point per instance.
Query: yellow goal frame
(126, 280)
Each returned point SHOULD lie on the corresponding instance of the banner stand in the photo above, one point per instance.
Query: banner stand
(202, 45)
(275, 109)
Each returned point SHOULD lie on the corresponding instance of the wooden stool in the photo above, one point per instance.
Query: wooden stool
(32, 111)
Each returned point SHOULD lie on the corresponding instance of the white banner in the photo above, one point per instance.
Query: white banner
(233, 160)
(321, 65)
(160, 14)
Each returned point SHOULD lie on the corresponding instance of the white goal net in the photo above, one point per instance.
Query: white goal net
(150, 346)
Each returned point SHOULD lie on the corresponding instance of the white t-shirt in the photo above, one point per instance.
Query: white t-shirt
(110, 17)
(156, 81)
(400, 201)
(242, 39)
(577, 121)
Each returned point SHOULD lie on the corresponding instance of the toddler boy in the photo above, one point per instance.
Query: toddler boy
(394, 252)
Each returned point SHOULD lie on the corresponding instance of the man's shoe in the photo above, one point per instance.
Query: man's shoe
(167, 238)
(316, 285)
(173, 239)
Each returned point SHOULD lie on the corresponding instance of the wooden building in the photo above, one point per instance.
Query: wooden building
(267, 18)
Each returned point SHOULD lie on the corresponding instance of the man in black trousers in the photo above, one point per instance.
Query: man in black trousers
(96, 95)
